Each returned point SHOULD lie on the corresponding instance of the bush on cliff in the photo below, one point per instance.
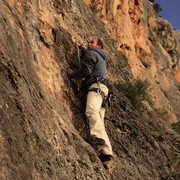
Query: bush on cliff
(157, 7)
(136, 92)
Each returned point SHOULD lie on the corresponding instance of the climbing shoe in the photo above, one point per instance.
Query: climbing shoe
(104, 157)
(94, 141)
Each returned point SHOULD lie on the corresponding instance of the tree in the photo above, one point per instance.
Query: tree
(157, 7)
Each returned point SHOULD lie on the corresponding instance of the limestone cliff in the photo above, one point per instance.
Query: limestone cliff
(150, 44)
(42, 121)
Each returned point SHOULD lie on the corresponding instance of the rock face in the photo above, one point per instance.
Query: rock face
(42, 121)
(150, 44)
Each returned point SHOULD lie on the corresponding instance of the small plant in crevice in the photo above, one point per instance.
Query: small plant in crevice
(175, 163)
(81, 163)
(136, 92)
(124, 58)
(173, 157)
(161, 113)
(176, 127)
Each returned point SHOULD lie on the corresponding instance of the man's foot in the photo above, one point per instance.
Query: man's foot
(94, 141)
(105, 157)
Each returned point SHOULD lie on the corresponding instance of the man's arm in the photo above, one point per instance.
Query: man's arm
(87, 66)
(83, 51)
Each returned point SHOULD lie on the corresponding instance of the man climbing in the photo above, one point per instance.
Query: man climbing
(93, 69)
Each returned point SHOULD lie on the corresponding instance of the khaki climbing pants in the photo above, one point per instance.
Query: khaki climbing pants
(95, 114)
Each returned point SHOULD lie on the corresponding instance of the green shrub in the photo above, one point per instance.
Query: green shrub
(173, 157)
(162, 113)
(136, 92)
(175, 164)
(124, 58)
(176, 127)
(81, 163)
(178, 175)
(157, 7)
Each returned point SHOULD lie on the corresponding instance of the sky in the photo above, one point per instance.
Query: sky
(170, 12)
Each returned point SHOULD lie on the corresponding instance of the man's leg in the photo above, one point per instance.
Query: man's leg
(106, 148)
(93, 105)
(95, 114)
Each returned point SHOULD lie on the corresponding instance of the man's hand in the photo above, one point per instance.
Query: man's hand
(80, 46)
(70, 74)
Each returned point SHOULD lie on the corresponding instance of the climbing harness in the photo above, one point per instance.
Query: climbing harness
(111, 97)
(74, 25)
(98, 91)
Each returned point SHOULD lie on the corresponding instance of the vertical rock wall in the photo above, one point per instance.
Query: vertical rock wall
(42, 121)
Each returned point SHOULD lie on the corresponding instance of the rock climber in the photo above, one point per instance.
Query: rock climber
(93, 70)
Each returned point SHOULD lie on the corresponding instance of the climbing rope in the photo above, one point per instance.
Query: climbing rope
(72, 3)
(74, 25)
